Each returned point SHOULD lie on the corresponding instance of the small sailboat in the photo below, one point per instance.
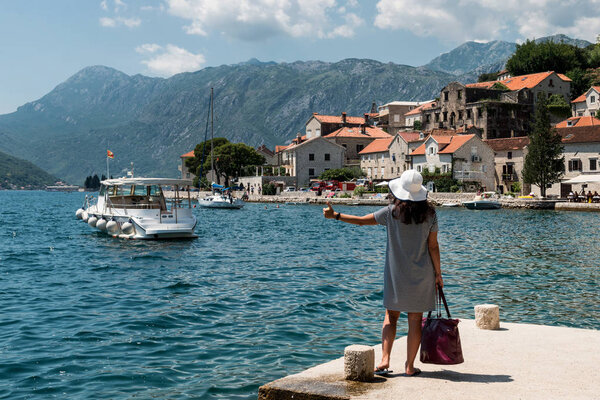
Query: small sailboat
(483, 201)
(221, 197)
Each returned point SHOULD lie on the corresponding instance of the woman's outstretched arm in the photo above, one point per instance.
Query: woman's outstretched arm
(434, 252)
(368, 219)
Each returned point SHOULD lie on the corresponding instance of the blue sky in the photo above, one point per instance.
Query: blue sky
(44, 42)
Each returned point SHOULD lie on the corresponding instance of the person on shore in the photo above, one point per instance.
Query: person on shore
(596, 197)
(589, 196)
(412, 262)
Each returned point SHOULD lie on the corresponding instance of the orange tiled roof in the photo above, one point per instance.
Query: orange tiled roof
(579, 121)
(448, 144)
(280, 148)
(442, 132)
(582, 134)
(515, 143)
(520, 82)
(337, 119)
(582, 98)
(410, 136)
(456, 143)
(188, 154)
(356, 132)
(377, 146)
(419, 109)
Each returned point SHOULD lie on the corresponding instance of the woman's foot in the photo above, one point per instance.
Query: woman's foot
(410, 370)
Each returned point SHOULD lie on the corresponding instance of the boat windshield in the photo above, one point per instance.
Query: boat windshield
(136, 196)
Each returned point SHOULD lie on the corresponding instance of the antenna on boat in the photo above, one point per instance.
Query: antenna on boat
(212, 134)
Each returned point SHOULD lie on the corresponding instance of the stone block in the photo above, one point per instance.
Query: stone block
(487, 316)
(359, 363)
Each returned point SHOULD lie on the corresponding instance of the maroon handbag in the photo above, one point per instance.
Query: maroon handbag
(440, 341)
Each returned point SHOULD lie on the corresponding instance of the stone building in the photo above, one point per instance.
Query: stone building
(509, 156)
(185, 172)
(268, 154)
(499, 109)
(587, 104)
(322, 125)
(581, 152)
(388, 158)
(416, 114)
(391, 116)
(469, 158)
(354, 140)
(309, 158)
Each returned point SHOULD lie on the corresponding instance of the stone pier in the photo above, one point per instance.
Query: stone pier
(517, 361)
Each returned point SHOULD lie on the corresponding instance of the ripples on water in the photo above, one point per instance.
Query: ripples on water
(260, 295)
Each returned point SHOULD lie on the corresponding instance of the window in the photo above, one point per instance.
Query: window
(369, 172)
(509, 155)
(359, 147)
(396, 117)
(468, 114)
(327, 157)
(437, 117)
(363, 158)
(382, 171)
(311, 172)
(445, 96)
(592, 99)
(308, 133)
(419, 168)
(460, 114)
(394, 157)
(593, 164)
(445, 116)
(318, 132)
(383, 157)
(311, 156)
(574, 165)
(484, 168)
(445, 168)
(459, 94)
(479, 112)
(551, 84)
(428, 118)
(369, 157)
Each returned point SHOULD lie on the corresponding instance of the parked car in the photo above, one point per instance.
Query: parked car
(290, 189)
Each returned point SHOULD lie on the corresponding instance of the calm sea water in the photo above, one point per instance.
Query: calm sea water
(262, 293)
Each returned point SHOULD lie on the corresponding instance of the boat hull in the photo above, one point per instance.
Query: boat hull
(220, 202)
(482, 205)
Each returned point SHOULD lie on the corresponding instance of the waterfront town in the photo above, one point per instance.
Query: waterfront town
(474, 133)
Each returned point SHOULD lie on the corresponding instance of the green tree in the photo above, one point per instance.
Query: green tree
(230, 159)
(417, 125)
(544, 161)
(531, 57)
(95, 183)
(486, 77)
(88, 182)
(342, 174)
(557, 105)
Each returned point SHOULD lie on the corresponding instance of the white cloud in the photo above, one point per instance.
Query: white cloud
(108, 22)
(148, 48)
(104, 5)
(170, 59)
(262, 19)
(490, 19)
(114, 22)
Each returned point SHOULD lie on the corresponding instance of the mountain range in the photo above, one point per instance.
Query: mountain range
(152, 121)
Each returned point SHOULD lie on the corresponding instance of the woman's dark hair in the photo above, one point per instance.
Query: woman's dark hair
(411, 211)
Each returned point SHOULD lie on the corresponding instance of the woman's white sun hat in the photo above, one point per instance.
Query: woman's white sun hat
(409, 186)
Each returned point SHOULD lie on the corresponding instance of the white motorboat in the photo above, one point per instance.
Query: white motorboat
(136, 208)
(221, 198)
(484, 201)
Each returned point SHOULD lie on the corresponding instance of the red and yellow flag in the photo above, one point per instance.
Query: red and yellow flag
(110, 154)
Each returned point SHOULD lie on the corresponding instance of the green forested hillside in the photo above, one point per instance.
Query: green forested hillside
(16, 173)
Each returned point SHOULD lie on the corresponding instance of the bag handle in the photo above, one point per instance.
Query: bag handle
(440, 296)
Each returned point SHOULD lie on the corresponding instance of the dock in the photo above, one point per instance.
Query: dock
(518, 361)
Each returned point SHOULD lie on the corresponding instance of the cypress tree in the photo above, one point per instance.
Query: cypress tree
(544, 162)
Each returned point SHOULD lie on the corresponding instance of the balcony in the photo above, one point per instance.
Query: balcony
(510, 177)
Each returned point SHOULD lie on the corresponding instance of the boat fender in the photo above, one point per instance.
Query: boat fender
(84, 216)
(127, 227)
(101, 224)
(92, 221)
(79, 213)
(112, 227)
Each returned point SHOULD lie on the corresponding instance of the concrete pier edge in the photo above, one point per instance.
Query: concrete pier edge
(518, 361)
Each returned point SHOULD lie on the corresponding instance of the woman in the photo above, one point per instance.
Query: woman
(412, 262)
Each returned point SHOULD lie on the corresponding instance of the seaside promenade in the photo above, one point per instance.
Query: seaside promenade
(437, 198)
(518, 361)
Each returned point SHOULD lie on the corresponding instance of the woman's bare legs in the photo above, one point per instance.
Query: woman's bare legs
(413, 341)
(388, 334)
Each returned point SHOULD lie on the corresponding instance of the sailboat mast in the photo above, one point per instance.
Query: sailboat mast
(212, 135)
